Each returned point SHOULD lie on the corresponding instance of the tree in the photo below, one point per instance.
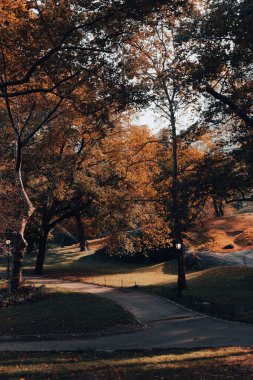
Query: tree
(40, 42)
(81, 233)
(61, 183)
(220, 35)
(163, 70)
(60, 49)
(128, 197)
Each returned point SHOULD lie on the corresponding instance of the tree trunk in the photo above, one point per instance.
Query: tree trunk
(45, 228)
(221, 209)
(81, 234)
(41, 253)
(218, 208)
(19, 246)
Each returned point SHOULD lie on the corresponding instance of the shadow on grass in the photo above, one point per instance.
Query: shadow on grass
(64, 313)
(223, 284)
(74, 263)
(226, 292)
(135, 365)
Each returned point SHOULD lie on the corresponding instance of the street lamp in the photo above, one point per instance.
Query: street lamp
(8, 243)
(179, 248)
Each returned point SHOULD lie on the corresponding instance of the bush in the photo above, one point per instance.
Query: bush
(23, 295)
(138, 246)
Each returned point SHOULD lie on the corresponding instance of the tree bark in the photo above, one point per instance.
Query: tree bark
(41, 253)
(19, 246)
(81, 234)
(45, 229)
(218, 208)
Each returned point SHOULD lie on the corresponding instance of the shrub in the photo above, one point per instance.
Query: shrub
(23, 295)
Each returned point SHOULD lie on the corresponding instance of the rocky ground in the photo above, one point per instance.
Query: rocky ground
(226, 241)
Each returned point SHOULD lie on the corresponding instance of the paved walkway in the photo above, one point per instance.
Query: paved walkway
(167, 325)
(145, 307)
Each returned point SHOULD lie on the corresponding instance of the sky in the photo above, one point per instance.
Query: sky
(150, 118)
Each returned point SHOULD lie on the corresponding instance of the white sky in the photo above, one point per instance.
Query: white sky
(150, 118)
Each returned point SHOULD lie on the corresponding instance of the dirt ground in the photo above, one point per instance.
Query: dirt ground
(234, 229)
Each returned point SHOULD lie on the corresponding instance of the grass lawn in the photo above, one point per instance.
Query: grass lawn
(229, 289)
(219, 284)
(223, 285)
(65, 313)
(222, 363)
(226, 286)
(70, 263)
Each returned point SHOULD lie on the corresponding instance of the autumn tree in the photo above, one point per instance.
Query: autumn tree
(128, 201)
(32, 101)
(53, 47)
(63, 183)
(163, 70)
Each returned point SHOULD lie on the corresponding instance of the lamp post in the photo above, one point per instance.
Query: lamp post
(8, 243)
(181, 283)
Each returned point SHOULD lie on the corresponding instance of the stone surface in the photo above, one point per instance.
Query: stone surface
(205, 260)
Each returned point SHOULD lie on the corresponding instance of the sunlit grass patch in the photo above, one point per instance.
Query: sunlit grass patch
(205, 364)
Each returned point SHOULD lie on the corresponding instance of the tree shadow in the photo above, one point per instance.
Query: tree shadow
(132, 364)
(71, 261)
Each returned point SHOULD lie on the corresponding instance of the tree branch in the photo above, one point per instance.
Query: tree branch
(234, 107)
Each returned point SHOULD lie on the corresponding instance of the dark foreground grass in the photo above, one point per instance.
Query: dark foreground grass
(64, 313)
(229, 289)
(223, 284)
(223, 364)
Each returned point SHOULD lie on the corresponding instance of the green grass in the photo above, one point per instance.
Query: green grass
(69, 263)
(223, 363)
(219, 284)
(64, 313)
(223, 285)
(230, 289)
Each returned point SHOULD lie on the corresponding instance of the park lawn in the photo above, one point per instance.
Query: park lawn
(218, 284)
(65, 313)
(69, 263)
(221, 363)
(229, 289)
(222, 285)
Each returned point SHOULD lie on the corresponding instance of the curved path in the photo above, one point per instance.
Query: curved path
(168, 325)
